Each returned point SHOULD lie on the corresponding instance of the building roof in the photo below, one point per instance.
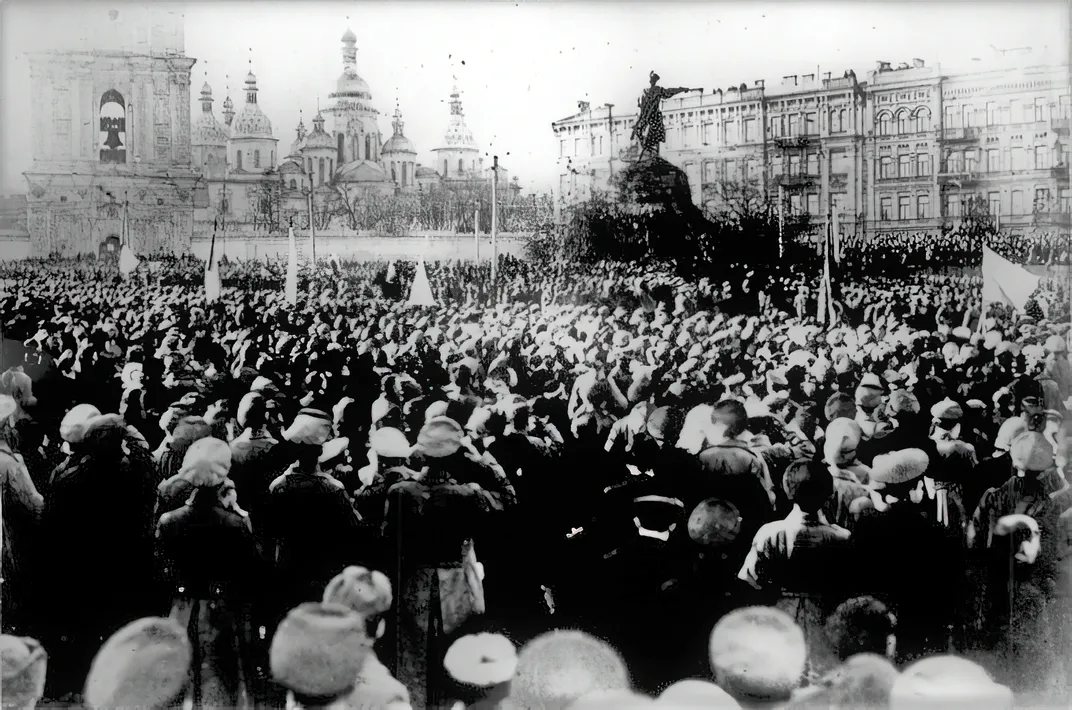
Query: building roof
(398, 143)
(458, 136)
(251, 121)
(423, 172)
(361, 171)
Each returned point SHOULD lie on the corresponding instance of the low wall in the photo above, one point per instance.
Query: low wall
(433, 248)
(14, 246)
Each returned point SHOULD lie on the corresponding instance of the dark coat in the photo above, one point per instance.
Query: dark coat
(212, 564)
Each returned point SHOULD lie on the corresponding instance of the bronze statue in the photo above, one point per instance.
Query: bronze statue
(649, 130)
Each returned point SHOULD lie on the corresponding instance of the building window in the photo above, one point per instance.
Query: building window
(339, 147)
(886, 168)
(923, 207)
(1042, 199)
(368, 147)
(394, 173)
(993, 161)
(331, 168)
(576, 146)
(238, 160)
(813, 203)
(969, 162)
(705, 133)
(562, 149)
(750, 130)
(1040, 110)
(904, 167)
(293, 184)
(813, 163)
(729, 129)
(461, 169)
(966, 116)
(775, 127)
(902, 122)
(1066, 200)
(1017, 159)
(256, 158)
(1017, 201)
(795, 203)
(993, 201)
(950, 117)
(601, 145)
(886, 210)
(794, 125)
(794, 165)
(952, 205)
(991, 113)
(884, 124)
(811, 124)
(923, 164)
(835, 122)
(320, 172)
(904, 205)
(923, 120)
(1042, 158)
(731, 170)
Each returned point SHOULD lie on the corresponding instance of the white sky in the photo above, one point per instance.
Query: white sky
(523, 65)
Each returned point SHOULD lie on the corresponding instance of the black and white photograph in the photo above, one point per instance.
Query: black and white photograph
(535, 355)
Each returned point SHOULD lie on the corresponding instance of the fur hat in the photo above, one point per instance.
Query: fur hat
(311, 427)
(8, 406)
(843, 437)
(389, 442)
(319, 650)
(23, 663)
(1056, 344)
(482, 665)
(948, 682)
(1031, 451)
(207, 462)
(868, 398)
(333, 449)
(557, 667)
(863, 681)
(144, 664)
(839, 406)
(758, 654)
(898, 467)
(696, 694)
(1009, 430)
(902, 401)
(73, 426)
(244, 405)
(366, 592)
(439, 438)
(18, 384)
(714, 523)
(947, 411)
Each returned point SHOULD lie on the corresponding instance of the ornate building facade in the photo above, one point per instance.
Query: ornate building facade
(111, 139)
(902, 151)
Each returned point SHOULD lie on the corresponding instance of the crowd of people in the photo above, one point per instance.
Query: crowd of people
(959, 249)
(583, 486)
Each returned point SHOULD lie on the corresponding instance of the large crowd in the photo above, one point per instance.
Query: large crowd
(587, 486)
(958, 249)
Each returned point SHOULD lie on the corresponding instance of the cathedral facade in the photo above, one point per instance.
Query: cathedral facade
(111, 139)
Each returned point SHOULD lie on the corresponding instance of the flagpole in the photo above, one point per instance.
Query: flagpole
(494, 226)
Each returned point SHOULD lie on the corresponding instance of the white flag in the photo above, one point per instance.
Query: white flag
(127, 261)
(421, 292)
(1006, 282)
(290, 291)
(212, 284)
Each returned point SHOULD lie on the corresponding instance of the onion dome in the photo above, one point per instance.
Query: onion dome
(458, 135)
(351, 91)
(318, 138)
(251, 121)
(206, 129)
(300, 132)
(398, 143)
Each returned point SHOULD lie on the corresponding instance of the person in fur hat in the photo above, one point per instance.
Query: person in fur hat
(97, 525)
(23, 662)
(368, 593)
(212, 565)
(842, 441)
(758, 656)
(254, 463)
(481, 667)
(22, 507)
(432, 519)
(308, 519)
(145, 664)
(560, 666)
(862, 681)
(894, 539)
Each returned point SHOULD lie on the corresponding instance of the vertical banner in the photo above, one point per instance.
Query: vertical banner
(290, 291)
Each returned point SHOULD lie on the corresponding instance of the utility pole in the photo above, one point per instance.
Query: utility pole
(312, 227)
(494, 223)
(476, 232)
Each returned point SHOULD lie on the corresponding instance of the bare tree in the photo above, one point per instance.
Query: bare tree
(266, 202)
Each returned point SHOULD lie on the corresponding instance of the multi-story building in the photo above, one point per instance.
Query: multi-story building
(889, 154)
